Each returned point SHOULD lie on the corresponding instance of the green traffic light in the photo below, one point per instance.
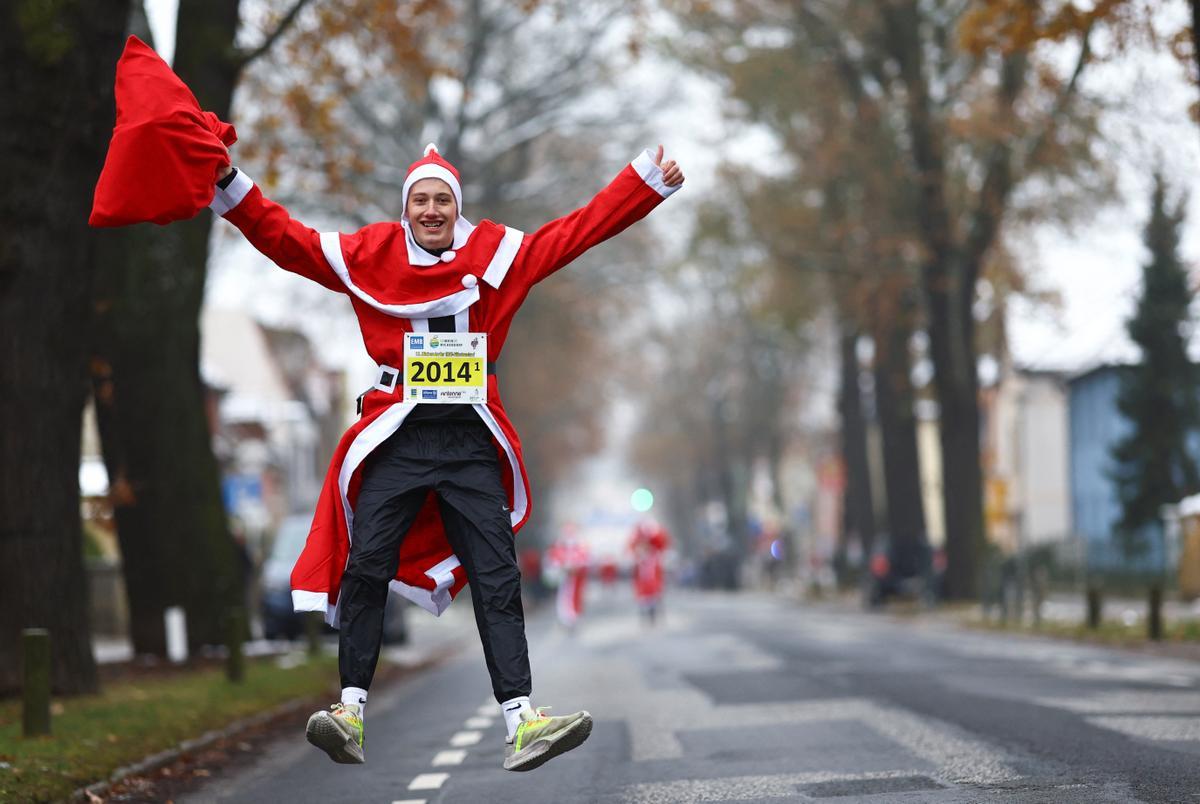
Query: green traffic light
(642, 500)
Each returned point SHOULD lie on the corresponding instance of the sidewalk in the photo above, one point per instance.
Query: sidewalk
(428, 637)
(1065, 607)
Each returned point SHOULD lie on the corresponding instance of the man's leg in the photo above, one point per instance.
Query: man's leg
(479, 526)
(382, 515)
(389, 499)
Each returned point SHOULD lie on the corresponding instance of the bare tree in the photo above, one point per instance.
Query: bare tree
(58, 109)
(150, 399)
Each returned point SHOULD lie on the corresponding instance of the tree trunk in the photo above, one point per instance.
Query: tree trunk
(901, 464)
(951, 338)
(859, 519)
(175, 541)
(58, 113)
(1196, 32)
(731, 481)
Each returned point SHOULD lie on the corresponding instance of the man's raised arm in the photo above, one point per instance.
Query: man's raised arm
(641, 186)
(272, 230)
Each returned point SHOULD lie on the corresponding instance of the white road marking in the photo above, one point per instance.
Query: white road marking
(478, 722)
(428, 781)
(410, 801)
(958, 756)
(1129, 702)
(453, 757)
(741, 788)
(486, 709)
(1153, 728)
(465, 738)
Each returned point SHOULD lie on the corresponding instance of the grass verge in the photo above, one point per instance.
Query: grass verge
(131, 719)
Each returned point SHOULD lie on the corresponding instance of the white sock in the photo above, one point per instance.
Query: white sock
(511, 709)
(356, 696)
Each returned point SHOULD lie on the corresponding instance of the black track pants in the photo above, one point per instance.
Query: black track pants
(457, 462)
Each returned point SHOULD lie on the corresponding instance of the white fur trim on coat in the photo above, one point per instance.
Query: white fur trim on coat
(331, 245)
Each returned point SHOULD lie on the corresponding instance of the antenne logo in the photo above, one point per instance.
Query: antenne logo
(417, 341)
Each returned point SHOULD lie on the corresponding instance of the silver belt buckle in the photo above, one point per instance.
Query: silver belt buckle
(387, 379)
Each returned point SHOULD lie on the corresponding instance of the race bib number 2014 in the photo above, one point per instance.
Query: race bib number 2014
(448, 368)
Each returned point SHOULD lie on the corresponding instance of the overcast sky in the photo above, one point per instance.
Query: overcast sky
(1095, 268)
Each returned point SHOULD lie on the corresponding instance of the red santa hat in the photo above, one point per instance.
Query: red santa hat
(433, 166)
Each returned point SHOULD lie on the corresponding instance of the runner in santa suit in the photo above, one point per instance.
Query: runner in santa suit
(420, 498)
(649, 545)
(569, 558)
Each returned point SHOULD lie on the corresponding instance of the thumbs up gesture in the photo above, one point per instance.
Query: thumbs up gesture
(672, 174)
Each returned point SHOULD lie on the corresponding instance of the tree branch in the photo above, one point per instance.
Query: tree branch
(998, 182)
(1060, 103)
(245, 57)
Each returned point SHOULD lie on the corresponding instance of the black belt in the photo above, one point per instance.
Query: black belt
(387, 380)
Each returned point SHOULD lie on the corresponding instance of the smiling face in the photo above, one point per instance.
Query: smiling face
(432, 211)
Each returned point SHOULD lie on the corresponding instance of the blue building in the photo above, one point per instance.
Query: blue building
(1095, 427)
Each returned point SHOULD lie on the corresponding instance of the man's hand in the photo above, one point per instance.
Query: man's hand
(227, 168)
(672, 175)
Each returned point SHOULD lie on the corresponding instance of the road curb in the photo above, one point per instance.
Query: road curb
(97, 790)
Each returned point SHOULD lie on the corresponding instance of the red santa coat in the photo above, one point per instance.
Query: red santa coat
(570, 557)
(650, 541)
(395, 287)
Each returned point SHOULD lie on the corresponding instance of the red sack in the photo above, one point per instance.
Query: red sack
(165, 154)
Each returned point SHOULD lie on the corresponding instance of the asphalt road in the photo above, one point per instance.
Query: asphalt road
(751, 698)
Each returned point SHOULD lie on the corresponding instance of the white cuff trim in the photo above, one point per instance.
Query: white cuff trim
(651, 173)
(309, 601)
(228, 198)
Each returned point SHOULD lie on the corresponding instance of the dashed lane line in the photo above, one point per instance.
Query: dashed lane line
(465, 738)
(428, 781)
(471, 735)
(451, 757)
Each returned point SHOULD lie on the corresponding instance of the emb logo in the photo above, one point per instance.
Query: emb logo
(417, 341)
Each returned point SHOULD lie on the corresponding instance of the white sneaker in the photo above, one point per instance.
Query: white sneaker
(540, 738)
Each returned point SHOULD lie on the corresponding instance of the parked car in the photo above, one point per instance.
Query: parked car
(278, 618)
(916, 576)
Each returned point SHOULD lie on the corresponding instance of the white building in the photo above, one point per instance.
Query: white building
(1026, 459)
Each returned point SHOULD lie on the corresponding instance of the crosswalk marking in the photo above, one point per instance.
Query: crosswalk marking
(1181, 728)
(1129, 702)
(428, 781)
(478, 722)
(451, 757)
(730, 788)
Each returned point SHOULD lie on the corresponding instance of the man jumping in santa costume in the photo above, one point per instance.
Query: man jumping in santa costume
(424, 497)
(427, 489)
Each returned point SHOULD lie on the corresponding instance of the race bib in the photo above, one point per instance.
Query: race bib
(448, 368)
